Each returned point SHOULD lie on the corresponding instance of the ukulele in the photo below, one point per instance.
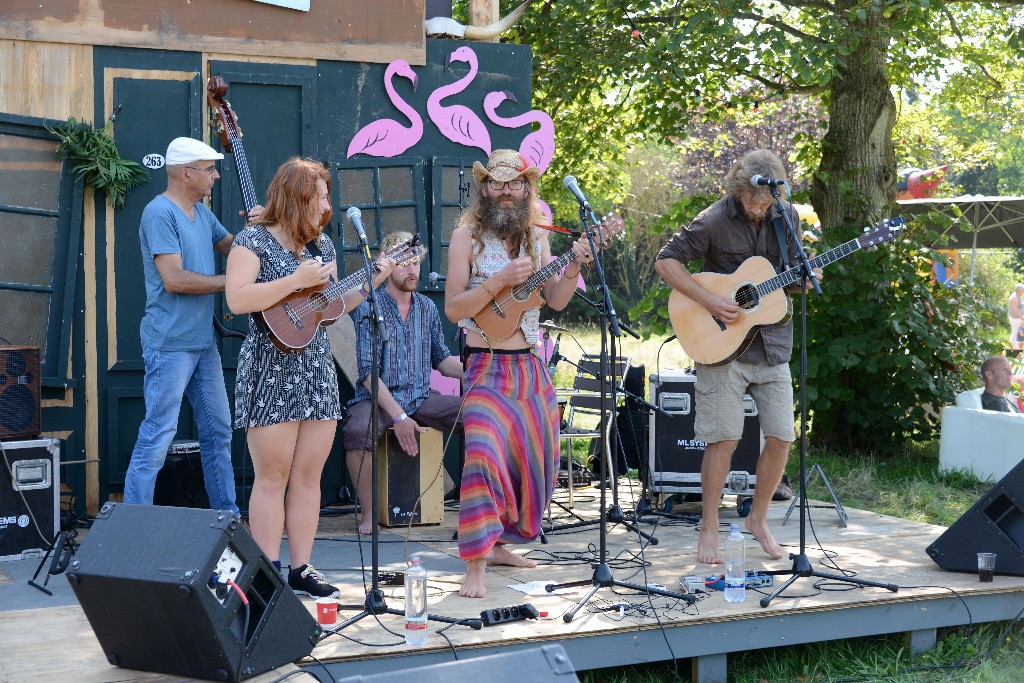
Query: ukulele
(501, 317)
(292, 322)
(758, 291)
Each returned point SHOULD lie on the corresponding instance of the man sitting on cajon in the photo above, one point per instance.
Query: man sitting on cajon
(415, 345)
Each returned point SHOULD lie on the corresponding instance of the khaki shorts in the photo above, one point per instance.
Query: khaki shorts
(719, 399)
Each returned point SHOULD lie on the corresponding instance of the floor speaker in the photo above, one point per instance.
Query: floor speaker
(20, 405)
(142, 576)
(995, 524)
(180, 482)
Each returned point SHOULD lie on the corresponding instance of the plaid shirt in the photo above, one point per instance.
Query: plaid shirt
(414, 347)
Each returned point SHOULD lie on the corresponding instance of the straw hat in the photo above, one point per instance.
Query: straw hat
(505, 165)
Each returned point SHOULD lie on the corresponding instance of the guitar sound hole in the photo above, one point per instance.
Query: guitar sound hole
(746, 297)
(318, 302)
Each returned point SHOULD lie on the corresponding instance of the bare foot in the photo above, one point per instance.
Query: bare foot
(707, 545)
(500, 555)
(473, 584)
(365, 528)
(759, 530)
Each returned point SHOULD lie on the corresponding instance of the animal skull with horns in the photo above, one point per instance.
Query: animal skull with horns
(446, 27)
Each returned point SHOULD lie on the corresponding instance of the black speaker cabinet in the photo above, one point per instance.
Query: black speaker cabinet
(180, 482)
(30, 497)
(675, 456)
(142, 576)
(995, 524)
(20, 405)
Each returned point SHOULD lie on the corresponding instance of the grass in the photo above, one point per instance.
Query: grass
(908, 486)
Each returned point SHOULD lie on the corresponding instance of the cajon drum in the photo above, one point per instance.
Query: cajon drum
(402, 479)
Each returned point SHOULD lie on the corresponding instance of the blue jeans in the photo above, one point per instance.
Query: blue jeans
(169, 376)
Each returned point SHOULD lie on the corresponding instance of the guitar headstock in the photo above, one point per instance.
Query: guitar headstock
(222, 116)
(882, 232)
(407, 251)
(611, 226)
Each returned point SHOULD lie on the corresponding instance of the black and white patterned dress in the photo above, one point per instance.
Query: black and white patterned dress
(270, 386)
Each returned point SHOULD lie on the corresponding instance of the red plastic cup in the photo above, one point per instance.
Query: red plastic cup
(326, 611)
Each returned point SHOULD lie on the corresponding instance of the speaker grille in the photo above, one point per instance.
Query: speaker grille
(19, 392)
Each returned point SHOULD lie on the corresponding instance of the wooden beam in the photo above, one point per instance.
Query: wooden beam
(484, 12)
(379, 31)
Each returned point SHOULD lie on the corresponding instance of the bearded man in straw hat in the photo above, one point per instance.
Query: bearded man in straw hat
(510, 418)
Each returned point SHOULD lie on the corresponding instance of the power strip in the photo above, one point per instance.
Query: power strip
(502, 615)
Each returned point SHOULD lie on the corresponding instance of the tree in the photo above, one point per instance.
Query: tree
(612, 72)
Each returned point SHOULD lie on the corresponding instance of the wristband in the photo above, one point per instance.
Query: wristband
(362, 290)
(483, 285)
(399, 418)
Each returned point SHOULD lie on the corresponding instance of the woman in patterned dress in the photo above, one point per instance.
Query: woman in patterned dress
(287, 402)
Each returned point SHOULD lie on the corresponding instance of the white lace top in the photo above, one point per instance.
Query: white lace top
(492, 259)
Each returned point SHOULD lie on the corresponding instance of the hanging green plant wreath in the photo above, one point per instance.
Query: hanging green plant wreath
(93, 155)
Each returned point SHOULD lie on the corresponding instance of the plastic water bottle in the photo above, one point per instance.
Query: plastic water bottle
(415, 604)
(735, 566)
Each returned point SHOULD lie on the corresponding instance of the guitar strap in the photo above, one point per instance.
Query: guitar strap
(780, 236)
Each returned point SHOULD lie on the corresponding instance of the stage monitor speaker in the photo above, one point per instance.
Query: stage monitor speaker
(995, 524)
(20, 406)
(142, 576)
(180, 482)
(541, 664)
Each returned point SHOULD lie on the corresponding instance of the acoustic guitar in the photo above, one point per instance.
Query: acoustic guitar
(501, 317)
(293, 321)
(758, 291)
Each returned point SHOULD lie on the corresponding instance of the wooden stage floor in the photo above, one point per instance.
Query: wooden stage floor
(49, 638)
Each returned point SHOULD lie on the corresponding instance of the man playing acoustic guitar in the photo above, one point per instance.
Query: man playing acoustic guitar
(736, 227)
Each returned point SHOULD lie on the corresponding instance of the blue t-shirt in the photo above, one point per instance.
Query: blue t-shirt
(178, 322)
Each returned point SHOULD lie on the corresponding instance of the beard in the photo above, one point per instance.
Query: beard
(506, 221)
(750, 218)
(406, 284)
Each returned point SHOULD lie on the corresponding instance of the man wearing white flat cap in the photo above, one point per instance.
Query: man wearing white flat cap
(179, 234)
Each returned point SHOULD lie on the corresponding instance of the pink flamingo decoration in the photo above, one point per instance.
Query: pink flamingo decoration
(539, 145)
(387, 137)
(456, 122)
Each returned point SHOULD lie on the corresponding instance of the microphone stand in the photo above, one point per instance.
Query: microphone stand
(375, 603)
(602, 576)
(801, 564)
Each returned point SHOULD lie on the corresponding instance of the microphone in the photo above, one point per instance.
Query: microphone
(554, 355)
(570, 184)
(355, 215)
(762, 180)
(434, 277)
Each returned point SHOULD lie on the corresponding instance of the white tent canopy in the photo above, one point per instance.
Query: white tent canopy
(979, 222)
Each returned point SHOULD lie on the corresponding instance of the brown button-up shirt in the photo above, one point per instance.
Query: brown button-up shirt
(724, 239)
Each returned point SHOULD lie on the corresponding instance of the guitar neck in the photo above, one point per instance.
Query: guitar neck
(795, 274)
(350, 282)
(244, 177)
(542, 275)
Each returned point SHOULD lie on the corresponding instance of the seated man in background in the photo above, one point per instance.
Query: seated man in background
(998, 376)
(415, 345)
